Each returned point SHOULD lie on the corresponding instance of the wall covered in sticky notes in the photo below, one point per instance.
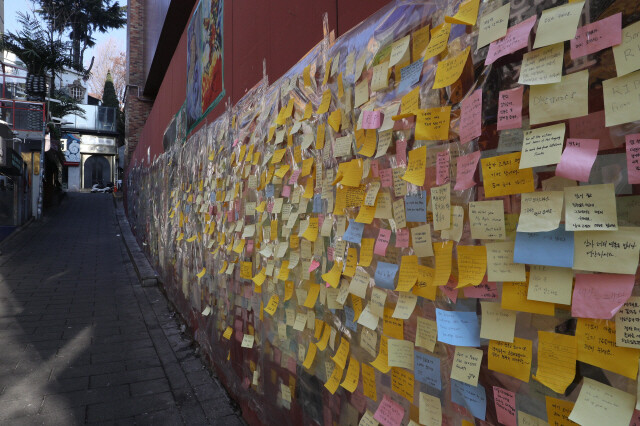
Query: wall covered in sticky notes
(337, 238)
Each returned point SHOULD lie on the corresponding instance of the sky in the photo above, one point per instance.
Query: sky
(12, 7)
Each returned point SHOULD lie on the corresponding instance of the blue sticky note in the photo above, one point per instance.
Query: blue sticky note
(268, 190)
(385, 275)
(353, 233)
(350, 315)
(415, 206)
(410, 75)
(458, 328)
(472, 398)
(427, 369)
(553, 248)
(317, 203)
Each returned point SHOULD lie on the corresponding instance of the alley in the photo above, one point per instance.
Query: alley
(82, 342)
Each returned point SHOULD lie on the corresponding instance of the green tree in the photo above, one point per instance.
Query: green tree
(109, 97)
(82, 18)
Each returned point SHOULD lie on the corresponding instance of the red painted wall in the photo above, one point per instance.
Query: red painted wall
(282, 31)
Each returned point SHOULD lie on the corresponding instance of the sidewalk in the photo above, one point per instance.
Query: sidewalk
(82, 342)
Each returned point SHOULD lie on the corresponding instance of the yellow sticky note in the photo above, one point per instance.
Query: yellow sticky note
(439, 40)
(408, 273)
(402, 382)
(591, 208)
(340, 86)
(550, 284)
(312, 295)
(311, 355)
(487, 220)
(369, 382)
(540, 211)
(327, 71)
(260, 277)
(311, 233)
(442, 251)
(350, 382)
(405, 306)
(615, 252)
(325, 102)
(500, 266)
(239, 247)
(557, 355)
(466, 365)
(410, 103)
(340, 357)
(288, 290)
(284, 271)
(512, 359)
(430, 410)
(335, 120)
(352, 263)
(472, 265)
(366, 214)
(272, 305)
(596, 340)
(392, 327)
(278, 155)
(361, 94)
(380, 78)
(366, 251)
(599, 404)
(320, 136)
(333, 276)
(400, 353)
(426, 333)
(497, 323)
(308, 110)
(227, 333)
(353, 173)
(560, 101)
(420, 41)
(493, 25)
(542, 66)
(558, 24)
(467, 13)
(449, 70)
(326, 333)
(625, 54)
(424, 284)
(514, 298)
(433, 123)
(201, 273)
(502, 176)
(334, 380)
(621, 99)
(558, 411)
(282, 170)
(306, 74)
(417, 166)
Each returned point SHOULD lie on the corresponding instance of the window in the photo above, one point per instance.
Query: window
(77, 93)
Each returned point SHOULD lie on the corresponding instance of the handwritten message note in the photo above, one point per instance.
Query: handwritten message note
(426, 334)
(473, 398)
(556, 360)
(517, 38)
(497, 323)
(389, 412)
(493, 25)
(628, 324)
(458, 328)
(542, 66)
(558, 24)
(596, 36)
(542, 146)
(621, 98)
(514, 297)
(577, 159)
(540, 211)
(627, 53)
(552, 248)
(487, 220)
(443, 166)
(633, 157)
(471, 117)
(591, 207)
(502, 175)
(472, 265)
(466, 169)
(505, 402)
(510, 108)
(512, 359)
(600, 296)
(433, 123)
(560, 101)
(466, 365)
(427, 370)
(449, 70)
(430, 410)
(599, 404)
(500, 265)
(550, 284)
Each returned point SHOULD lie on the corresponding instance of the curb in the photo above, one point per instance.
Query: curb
(147, 276)
(16, 232)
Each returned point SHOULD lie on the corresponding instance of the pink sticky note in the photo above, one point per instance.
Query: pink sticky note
(270, 206)
(294, 176)
(246, 383)
(467, 165)
(358, 400)
(596, 36)
(389, 412)
(330, 254)
(510, 109)
(314, 265)
(382, 242)
(450, 289)
(235, 142)
(402, 238)
(635, 419)
(505, 406)
(592, 126)
(375, 168)
(517, 38)
(401, 152)
(577, 159)
(471, 117)
(371, 119)
(386, 177)
(633, 157)
(286, 191)
(249, 247)
(600, 296)
(230, 216)
(485, 290)
(442, 167)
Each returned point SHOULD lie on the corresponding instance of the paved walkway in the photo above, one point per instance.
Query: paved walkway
(82, 342)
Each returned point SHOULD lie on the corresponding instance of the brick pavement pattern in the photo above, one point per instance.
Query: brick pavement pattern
(82, 342)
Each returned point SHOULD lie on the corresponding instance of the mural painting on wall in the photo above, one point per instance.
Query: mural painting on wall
(72, 153)
(205, 84)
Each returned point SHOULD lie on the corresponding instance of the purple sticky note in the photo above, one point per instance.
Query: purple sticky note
(600, 296)
(467, 165)
(577, 159)
(371, 119)
(471, 117)
(517, 38)
(596, 36)
(510, 109)
(633, 157)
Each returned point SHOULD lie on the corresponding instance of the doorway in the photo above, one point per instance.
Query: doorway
(96, 170)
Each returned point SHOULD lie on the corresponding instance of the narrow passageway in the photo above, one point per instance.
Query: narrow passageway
(82, 342)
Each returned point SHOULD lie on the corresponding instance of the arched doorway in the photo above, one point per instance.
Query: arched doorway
(96, 170)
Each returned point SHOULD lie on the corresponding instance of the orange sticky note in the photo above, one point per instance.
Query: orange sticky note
(514, 298)
(467, 13)
(557, 355)
(512, 359)
(449, 70)
(472, 265)
(408, 273)
(433, 123)
(442, 252)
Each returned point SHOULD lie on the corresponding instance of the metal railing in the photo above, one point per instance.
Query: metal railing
(97, 118)
(26, 116)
